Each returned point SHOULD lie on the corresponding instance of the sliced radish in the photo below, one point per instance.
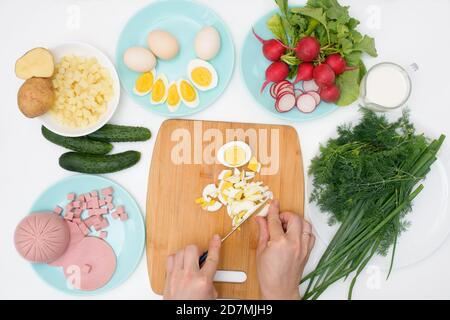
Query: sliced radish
(285, 103)
(279, 84)
(315, 95)
(284, 87)
(272, 90)
(290, 90)
(283, 94)
(310, 85)
(306, 103)
(298, 92)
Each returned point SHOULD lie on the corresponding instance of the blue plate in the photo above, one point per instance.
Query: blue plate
(182, 18)
(127, 238)
(254, 65)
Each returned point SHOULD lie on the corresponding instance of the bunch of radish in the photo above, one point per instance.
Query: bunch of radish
(319, 78)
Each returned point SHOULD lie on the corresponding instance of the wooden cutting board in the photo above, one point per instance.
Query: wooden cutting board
(183, 164)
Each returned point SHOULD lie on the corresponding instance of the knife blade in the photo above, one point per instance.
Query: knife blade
(257, 208)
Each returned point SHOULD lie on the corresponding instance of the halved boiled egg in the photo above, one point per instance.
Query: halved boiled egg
(159, 90)
(173, 97)
(202, 74)
(144, 83)
(234, 154)
(188, 93)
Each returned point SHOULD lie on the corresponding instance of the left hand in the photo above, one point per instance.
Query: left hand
(185, 280)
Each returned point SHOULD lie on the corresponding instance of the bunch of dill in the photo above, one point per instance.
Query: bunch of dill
(365, 179)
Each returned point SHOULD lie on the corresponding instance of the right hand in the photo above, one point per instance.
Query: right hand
(285, 242)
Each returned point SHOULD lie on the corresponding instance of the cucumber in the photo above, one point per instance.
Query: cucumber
(95, 163)
(117, 133)
(80, 144)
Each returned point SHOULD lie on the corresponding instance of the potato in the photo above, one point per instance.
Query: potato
(36, 96)
(38, 62)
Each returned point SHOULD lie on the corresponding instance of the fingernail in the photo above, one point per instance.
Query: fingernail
(216, 237)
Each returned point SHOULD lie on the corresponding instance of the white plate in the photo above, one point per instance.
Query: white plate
(86, 50)
(429, 218)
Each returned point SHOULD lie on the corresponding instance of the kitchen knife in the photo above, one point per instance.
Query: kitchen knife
(257, 208)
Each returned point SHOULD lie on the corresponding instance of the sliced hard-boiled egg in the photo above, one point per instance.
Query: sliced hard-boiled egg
(225, 174)
(173, 97)
(202, 74)
(159, 90)
(144, 83)
(254, 165)
(188, 93)
(210, 191)
(234, 154)
(214, 206)
(264, 211)
(243, 205)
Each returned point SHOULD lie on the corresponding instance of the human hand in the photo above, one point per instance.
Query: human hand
(185, 280)
(285, 242)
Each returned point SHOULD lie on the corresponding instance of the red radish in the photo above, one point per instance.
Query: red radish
(272, 90)
(337, 63)
(304, 72)
(298, 92)
(307, 49)
(285, 103)
(315, 95)
(276, 72)
(324, 75)
(273, 49)
(306, 103)
(280, 84)
(310, 85)
(330, 93)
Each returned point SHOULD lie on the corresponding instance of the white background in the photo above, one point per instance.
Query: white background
(406, 31)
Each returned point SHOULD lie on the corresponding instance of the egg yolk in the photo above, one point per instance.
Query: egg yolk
(234, 155)
(159, 90)
(173, 98)
(187, 91)
(201, 76)
(145, 82)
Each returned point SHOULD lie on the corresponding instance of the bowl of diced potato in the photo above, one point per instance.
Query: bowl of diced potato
(86, 87)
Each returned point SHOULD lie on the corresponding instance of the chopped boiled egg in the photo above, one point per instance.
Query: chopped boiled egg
(210, 191)
(159, 90)
(173, 97)
(144, 83)
(188, 93)
(202, 74)
(254, 165)
(225, 174)
(238, 193)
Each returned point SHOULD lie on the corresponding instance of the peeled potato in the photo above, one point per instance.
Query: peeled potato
(36, 96)
(38, 62)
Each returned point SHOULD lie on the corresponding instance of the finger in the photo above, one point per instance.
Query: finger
(179, 260)
(263, 234)
(170, 263)
(169, 269)
(292, 225)
(210, 265)
(273, 221)
(191, 255)
(306, 236)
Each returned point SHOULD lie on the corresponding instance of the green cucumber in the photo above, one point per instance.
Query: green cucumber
(95, 164)
(117, 133)
(80, 144)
